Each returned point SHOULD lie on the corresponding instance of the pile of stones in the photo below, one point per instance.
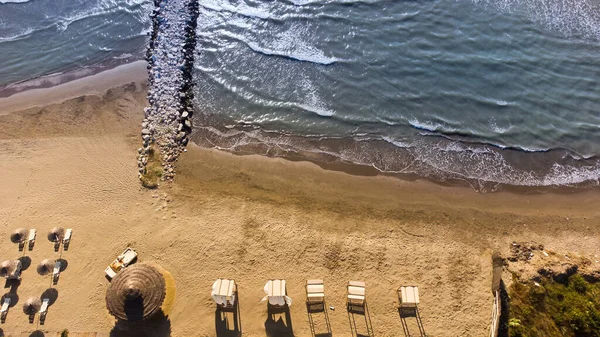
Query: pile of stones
(168, 118)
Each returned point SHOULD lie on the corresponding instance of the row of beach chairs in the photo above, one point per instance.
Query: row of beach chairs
(45, 303)
(224, 293)
(27, 237)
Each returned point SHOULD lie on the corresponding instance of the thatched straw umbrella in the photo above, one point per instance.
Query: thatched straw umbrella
(32, 306)
(46, 267)
(19, 235)
(56, 234)
(8, 268)
(136, 293)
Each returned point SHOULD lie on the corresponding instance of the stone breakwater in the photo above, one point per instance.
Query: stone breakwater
(170, 55)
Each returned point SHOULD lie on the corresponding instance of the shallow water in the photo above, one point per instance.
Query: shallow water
(43, 37)
(433, 88)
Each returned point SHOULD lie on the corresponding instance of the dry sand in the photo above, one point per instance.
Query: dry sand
(253, 218)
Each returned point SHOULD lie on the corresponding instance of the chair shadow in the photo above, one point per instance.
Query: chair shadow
(279, 322)
(12, 284)
(227, 321)
(362, 313)
(411, 313)
(157, 326)
(315, 309)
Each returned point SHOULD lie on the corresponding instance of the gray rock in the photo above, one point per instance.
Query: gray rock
(145, 132)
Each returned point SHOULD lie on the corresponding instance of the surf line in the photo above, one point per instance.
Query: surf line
(170, 55)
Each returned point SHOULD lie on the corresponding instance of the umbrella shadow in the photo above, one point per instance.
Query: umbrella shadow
(158, 325)
(37, 333)
(25, 262)
(14, 299)
(51, 294)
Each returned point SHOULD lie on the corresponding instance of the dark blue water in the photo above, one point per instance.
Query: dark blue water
(468, 90)
(491, 92)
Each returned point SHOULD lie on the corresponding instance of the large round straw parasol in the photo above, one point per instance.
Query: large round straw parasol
(136, 293)
(46, 267)
(56, 234)
(32, 306)
(8, 267)
(18, 235)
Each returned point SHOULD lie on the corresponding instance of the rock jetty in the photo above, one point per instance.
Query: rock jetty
(170, 55)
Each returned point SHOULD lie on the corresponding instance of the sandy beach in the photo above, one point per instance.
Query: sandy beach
(251, 218)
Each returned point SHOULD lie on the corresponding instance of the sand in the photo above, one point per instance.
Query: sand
(253, 218)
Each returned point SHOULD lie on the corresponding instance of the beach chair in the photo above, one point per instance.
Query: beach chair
(357, 304)
(408, 297)
(31, 238)
(56, 272)
(315, 303)
(356, 297)
(224, 293)
(44, 310)
(277, 294)
(67, 238)
(315, 295)
(408, 307)
(4, 310)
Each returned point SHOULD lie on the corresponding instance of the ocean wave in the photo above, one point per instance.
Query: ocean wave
(13, 1)
(482, 167)
(306, 54)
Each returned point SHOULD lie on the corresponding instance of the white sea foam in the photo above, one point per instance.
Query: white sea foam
(567, 17)
(13, 1)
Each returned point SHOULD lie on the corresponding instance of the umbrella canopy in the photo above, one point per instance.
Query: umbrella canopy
(136, 293)
(56, 234)
(8, 268)
(32, 306)
(46, 267)
(19, 235)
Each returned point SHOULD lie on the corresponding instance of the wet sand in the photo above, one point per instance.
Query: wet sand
(253, 218)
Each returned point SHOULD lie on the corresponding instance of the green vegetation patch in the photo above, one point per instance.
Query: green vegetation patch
(154, 170)
(555, 309)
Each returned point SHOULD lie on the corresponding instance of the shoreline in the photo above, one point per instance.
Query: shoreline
(100, 82)
(94, 83)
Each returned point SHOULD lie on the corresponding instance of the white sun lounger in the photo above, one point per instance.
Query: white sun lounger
(4, 310)
(56, 272)
(67, 237)
(277, 293)
(408, 297)
(31, 238)
(315, 291)
(44, 309)
(224, 292)
(356, 302)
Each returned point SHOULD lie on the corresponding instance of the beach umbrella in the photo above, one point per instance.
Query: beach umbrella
(8, 268)
(32, 306)
(46, 267)
(56, 234)
(19, 235)
(136, 293)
